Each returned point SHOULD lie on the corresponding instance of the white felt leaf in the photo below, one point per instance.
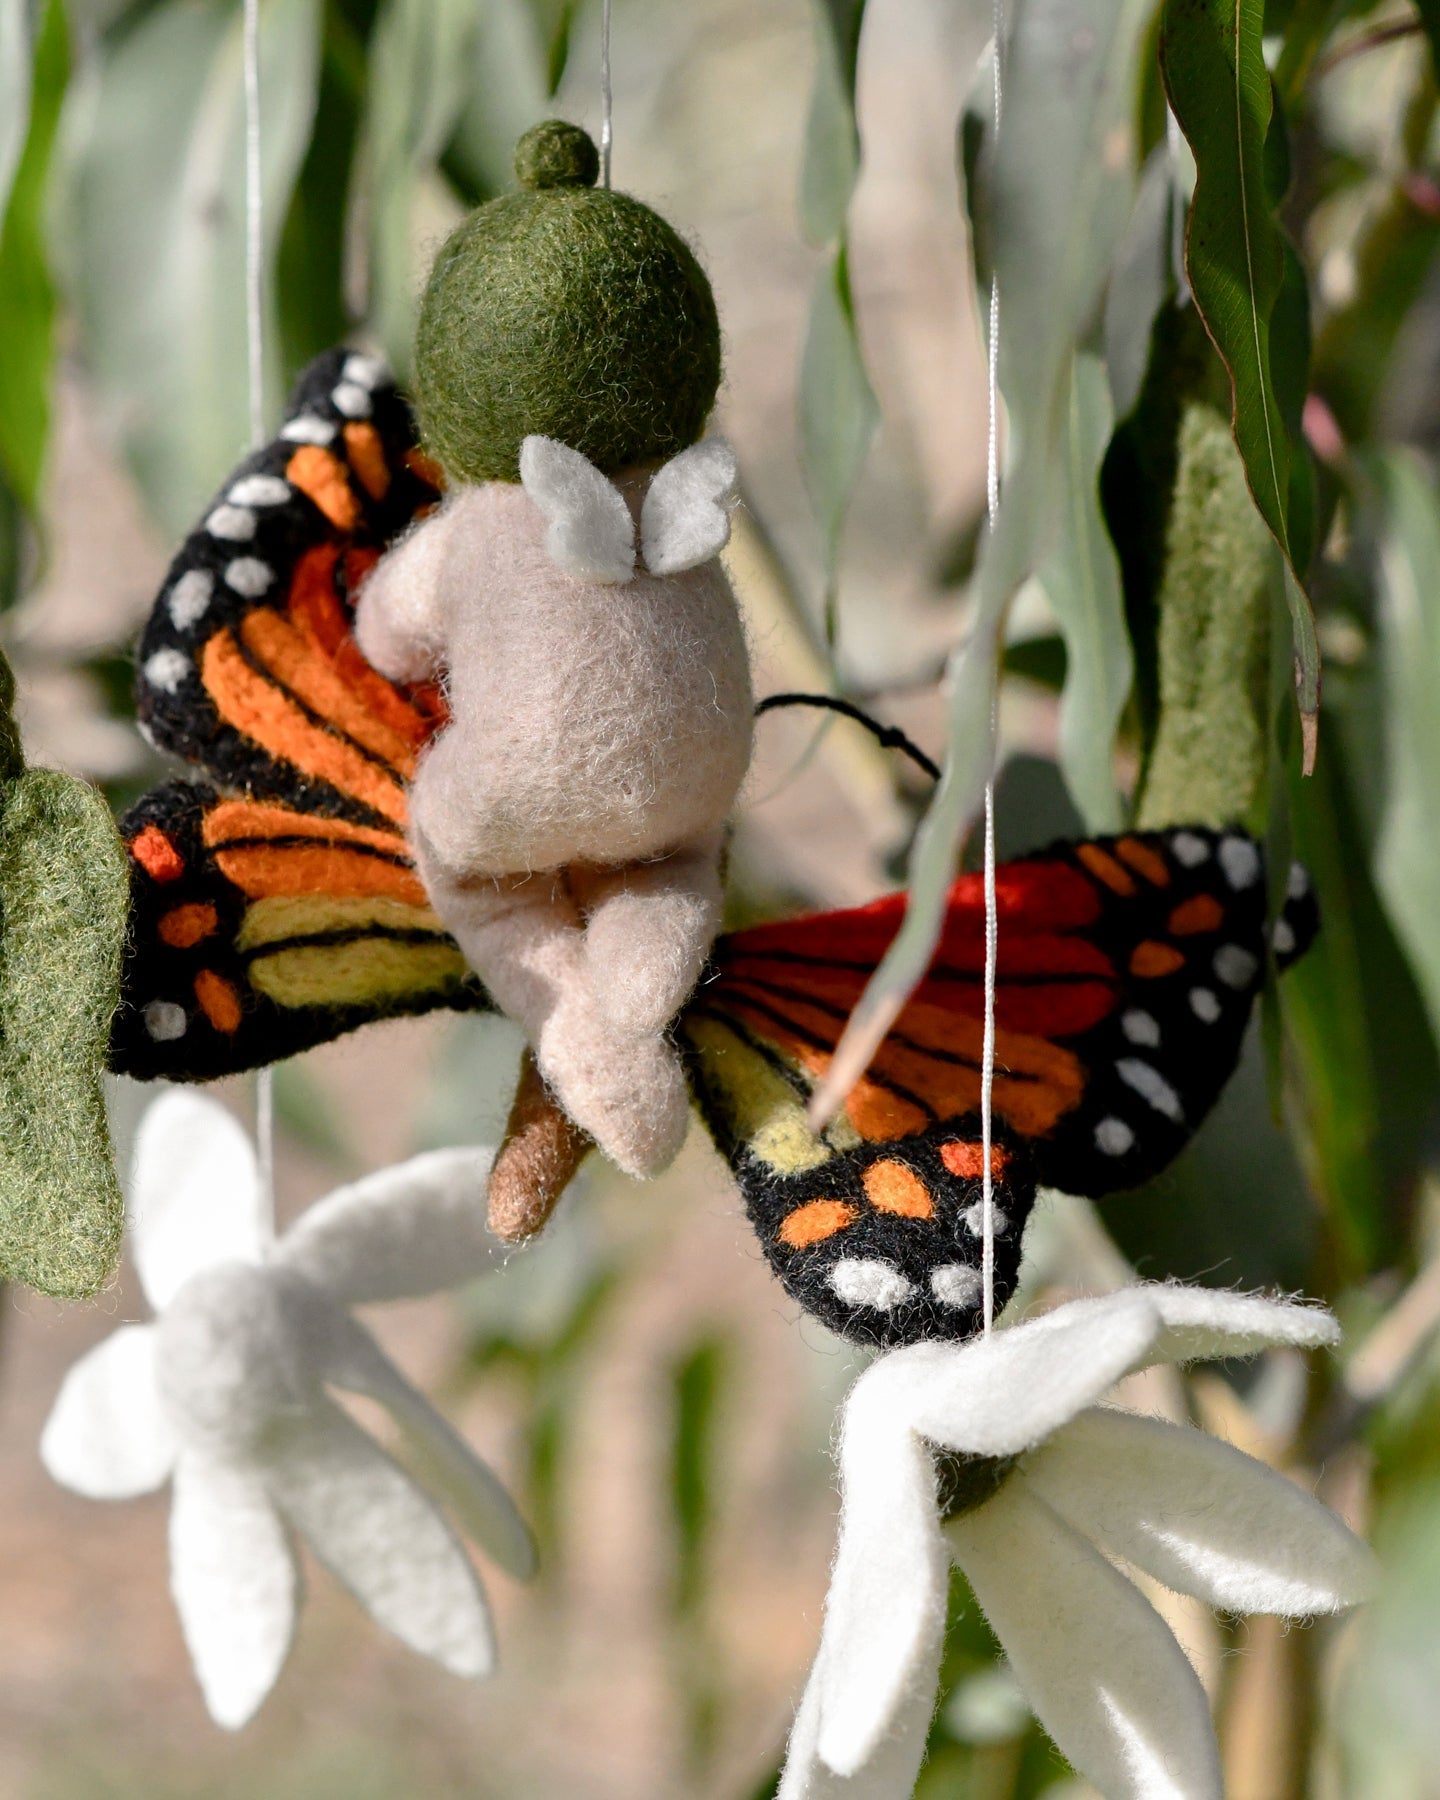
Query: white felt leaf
(195, 1193)
(892, 1768)
(439, 1455)
(107, 1436)
(1000, 1395)
(1105, 1676)
(591, 534)
(885, 1613)
(1204, 1322)
(374, 1529)
(1200, 1516)
(235, 1582)
(686, 516)
(413, 1229)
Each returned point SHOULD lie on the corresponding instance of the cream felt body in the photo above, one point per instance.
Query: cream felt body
(568, 822)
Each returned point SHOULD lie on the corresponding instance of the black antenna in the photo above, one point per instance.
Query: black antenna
(890, 737)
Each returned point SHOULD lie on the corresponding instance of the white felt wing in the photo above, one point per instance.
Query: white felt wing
(195, 1194)
(235, 1582)
(415, 1228)
(374, 1529)
(591, 535)
(107, 1436)
(686, 516)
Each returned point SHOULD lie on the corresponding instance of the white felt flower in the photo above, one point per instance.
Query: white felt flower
(227, 1394)
(1105, 1676)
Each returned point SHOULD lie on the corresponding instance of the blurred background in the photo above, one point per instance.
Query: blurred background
(649, 1392)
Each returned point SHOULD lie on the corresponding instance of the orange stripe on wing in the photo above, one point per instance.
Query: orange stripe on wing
(255, 706)
(270, 850)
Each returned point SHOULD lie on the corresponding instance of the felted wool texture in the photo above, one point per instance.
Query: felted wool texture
(542, 1151)
(63, 900)
(570, 312)
(594, 725)
(1208, 761)
(588, 722)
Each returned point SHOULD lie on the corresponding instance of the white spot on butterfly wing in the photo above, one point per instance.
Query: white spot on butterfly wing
(1113, 1136)
(1283, 937)
(352, 400)
(1151, 1086)
(164, 1021)
(189, 597)
(249, 576)
(1297, 884)
(956, 1284)
(166, 669)
(231, 524)
(1240, 862)
(1189, 849)
(1235, 966)
(260, 490)
(365, 371)
(869, 1281)
(974, 1217)
(308, 428)
(1205, 1004)
(1140, 1028)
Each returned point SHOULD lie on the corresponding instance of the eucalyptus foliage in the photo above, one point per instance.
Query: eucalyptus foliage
(1216, 244)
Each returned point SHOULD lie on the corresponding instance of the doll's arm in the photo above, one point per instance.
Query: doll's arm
(399, 620)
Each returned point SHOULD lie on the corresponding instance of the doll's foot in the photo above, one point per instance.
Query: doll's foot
(646, 944)
(629, 1093)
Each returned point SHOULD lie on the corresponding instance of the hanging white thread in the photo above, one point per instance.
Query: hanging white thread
(607, 98)
(992, 923)
(254, 222)
(255, 345)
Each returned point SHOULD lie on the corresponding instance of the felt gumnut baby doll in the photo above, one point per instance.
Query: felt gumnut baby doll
(567, 823)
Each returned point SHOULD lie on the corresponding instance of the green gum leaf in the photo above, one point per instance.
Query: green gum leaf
(832, 142)
(1215, 75)
(1055, 203)
(153, 232)
(1082, 582)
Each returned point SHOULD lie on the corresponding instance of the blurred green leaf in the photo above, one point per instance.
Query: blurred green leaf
(1219, 88)
(1407, 855)
(1081, 579)
(510, 91)
(17, 62)
(155, 231)
(832, 143)
(838, 412)
(27, 300)
(698, 1380)
(423, 59)
(1141, 281)
(1057, 198)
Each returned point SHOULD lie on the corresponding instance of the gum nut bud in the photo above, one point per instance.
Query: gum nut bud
(231, 1360)
(556, 154)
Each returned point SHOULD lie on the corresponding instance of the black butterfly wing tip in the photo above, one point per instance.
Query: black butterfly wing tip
(1299, 921)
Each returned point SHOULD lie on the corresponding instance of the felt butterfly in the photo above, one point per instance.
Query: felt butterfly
(275, 906)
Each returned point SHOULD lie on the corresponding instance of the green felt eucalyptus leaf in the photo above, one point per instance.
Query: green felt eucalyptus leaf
(1082, 582)
(1055, 201)
(1209, 759)
(64, 895)
(1219, 89)
(154, 231)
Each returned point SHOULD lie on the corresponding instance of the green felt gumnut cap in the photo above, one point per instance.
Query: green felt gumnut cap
(567, 311)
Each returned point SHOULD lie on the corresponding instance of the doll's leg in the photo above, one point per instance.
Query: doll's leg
(649, 929)
(522, 937)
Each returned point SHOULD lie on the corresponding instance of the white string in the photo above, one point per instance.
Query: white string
(992, 923)
(607, 99)
(255, 345)
(254, 221)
